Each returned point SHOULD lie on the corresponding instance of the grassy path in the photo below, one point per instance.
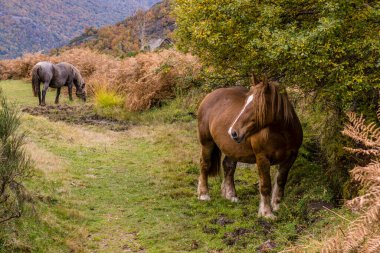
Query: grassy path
(97, 190)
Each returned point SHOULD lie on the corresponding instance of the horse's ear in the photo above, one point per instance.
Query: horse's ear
(254, 80)
(266, 83)
(265, 80)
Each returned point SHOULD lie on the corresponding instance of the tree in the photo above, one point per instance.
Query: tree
(332, 47)
(327, 48)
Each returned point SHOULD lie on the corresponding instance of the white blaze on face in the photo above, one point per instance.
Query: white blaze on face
(249, 100)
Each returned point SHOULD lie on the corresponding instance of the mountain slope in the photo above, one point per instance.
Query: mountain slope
(132, 34)
(30, 26)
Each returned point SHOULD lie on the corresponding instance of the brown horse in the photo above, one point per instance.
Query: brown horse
(252, 126)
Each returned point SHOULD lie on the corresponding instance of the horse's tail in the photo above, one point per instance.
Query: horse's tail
(35, 80)
(215, 166)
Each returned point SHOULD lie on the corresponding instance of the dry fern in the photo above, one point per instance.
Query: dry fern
(363, 234)
(143, 80)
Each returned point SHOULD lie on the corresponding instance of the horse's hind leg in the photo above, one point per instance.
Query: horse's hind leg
(263, 166)
(280, 181)
(38, 92)
(70, 86)
(208, 151)
(57, 96)
(46, 86)
(228, 185)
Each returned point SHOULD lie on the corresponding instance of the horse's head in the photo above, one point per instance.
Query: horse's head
(81, 91)
(80, 86)
(257, 112)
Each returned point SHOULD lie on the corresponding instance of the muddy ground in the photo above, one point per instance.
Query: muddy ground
(78, 114)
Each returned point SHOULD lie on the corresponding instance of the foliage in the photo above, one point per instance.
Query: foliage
(332, 47)
(363, 233)
(15, 164)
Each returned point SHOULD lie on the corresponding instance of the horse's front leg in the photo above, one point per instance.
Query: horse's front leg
(228, 185)
(263, 166)
(46, 86)
(70, 86)
(57, 96)
(280, 181)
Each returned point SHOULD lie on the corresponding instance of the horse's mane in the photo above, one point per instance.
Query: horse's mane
(77, 75)
(281, 110)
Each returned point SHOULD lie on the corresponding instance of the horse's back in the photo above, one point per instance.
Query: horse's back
(64, 65)
(44, 70)
(221, 99)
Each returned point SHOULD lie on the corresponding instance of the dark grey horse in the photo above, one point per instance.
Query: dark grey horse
(57, 76)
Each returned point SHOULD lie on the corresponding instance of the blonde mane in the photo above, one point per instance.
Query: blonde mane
(280, 110)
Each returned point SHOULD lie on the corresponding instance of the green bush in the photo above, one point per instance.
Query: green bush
(15, 165)
(108, 99)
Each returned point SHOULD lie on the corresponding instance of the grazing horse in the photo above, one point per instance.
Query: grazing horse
(57, 76)
(251, 126)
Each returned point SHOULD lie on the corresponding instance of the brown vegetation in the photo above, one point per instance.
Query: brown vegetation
(143, 81)
(31, 26)
(132, 34)
(363, 234)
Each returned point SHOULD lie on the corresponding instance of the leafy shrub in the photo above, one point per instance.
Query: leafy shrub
(14, 166)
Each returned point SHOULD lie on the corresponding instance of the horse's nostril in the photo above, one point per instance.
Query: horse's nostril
(234, 135)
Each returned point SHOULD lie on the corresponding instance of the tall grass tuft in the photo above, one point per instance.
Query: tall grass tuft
(15, 165)
(108, 99)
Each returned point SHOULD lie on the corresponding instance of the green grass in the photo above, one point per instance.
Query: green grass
(21, 92)
(136, 190)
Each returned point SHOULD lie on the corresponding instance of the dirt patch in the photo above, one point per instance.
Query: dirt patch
(312, 212)
(316, 206)
(267, 246)
(209, 230)
(78, 114)
(265, 225)
(231, 238)
(222, 220)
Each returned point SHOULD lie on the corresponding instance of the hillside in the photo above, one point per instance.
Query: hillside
(31, 26)
(142, 31)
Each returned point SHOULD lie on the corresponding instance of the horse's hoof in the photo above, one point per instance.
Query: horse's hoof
(275, 207)
(268, 216)
(204, 197)
(234, 199)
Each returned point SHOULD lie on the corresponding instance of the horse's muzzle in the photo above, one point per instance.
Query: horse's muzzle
(235, 136)
(82, 96)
